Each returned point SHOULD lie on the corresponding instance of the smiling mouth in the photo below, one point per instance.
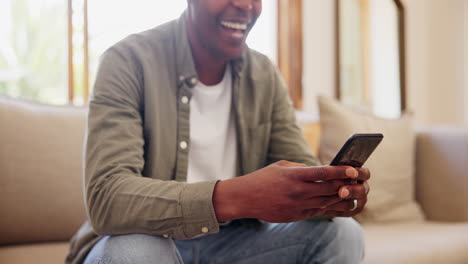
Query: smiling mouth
(236, 29)
(234, 25)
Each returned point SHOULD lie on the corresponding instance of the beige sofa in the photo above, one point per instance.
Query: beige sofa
(441, 183)
(41, 203)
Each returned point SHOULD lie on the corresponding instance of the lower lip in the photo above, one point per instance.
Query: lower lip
(235, 34)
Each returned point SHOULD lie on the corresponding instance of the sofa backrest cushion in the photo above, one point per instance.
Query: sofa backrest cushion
(441, 177)
(40, 171)
(391, 197)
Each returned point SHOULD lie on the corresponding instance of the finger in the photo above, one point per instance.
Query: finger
(364, 174)
(309, 190)
(322, 202)
(314, 212)
(355, 191)
(366, 187)
(324, 173)
(343, 213)
(324, 188)
(294, 164)
(347, 205)
(340, 213)
(286, 163)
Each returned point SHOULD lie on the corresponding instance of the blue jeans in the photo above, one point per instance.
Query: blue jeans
(337, 241)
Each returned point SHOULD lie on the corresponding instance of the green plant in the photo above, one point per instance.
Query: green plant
(33, 51)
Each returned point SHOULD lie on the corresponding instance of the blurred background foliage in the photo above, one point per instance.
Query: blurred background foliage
(33, 59)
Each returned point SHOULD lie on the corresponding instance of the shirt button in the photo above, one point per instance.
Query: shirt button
(193, 80)
(183, 145)
(204, 229)
(166, 236)
(184, 99)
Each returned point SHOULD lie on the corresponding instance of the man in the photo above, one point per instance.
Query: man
(177, 113)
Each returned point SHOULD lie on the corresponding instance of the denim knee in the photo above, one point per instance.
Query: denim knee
(134, 248)
(333, 242)
(349, 241)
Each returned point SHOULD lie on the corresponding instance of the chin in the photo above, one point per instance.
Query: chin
(234, 53)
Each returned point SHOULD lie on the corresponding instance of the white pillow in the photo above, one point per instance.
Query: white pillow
(391, 197)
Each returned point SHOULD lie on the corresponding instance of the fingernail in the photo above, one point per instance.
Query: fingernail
(351, 172)
(366, 188)
(344, 193)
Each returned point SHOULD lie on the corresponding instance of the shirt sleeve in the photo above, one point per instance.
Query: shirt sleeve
(286, 140)
(119, 200)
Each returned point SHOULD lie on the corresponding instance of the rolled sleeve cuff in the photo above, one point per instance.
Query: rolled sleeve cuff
(197, 210)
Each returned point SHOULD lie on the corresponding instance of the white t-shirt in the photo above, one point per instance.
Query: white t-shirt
(213, 147)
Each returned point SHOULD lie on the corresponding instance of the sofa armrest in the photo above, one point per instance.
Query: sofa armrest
(442, 172)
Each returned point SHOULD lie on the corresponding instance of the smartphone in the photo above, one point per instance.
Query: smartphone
(357, 150)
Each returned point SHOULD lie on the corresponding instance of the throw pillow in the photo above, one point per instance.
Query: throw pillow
(391, 197)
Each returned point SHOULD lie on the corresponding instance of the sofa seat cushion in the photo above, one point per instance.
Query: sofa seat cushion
(428, 242)
(40, 253)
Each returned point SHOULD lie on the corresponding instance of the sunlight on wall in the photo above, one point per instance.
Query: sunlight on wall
(465, 64)
(263, 36)
(113, 20)
(385, 77)
(352, 76)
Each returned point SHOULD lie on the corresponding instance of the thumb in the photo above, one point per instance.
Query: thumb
(285, 163)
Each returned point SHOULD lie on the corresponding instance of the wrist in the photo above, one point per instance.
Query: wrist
(227, 201)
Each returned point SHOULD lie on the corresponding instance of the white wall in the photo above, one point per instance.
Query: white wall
(384, 69)
(435, 41)
(437, 84)
(417, 59)
(465, 68)
(319, 51)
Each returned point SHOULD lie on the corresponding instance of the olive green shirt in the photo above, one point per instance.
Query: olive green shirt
(138, 131)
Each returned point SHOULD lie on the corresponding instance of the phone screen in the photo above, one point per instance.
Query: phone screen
(357, 150)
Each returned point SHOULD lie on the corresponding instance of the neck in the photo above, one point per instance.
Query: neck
(210, 71)
(210, 68)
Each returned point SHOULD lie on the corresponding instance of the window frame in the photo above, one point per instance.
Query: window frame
(401, 52)
(290, 53)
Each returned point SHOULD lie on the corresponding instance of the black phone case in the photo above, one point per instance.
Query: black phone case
(357, 150)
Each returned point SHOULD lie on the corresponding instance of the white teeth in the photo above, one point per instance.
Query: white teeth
(238, 35)
(234, 25)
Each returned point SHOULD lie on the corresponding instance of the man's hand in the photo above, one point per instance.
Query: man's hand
(287, 192)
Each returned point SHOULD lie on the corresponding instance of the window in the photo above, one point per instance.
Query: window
(50, 50)
(371, 55)
(33, 52)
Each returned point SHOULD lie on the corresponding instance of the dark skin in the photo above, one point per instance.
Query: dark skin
(284, 191)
